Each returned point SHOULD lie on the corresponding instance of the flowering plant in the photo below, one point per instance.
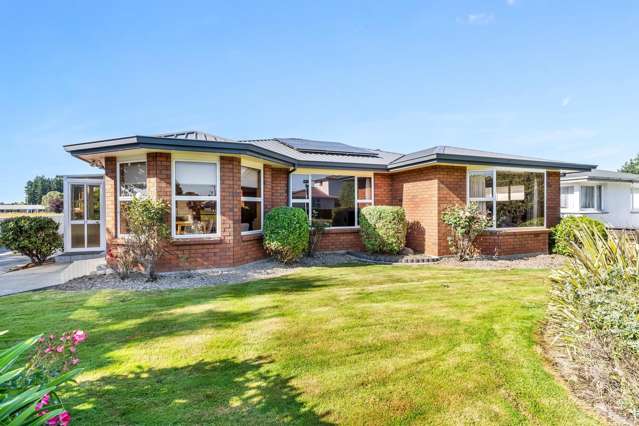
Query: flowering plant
(28, 395)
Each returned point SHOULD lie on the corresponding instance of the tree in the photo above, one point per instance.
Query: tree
(35, 189)
(631, 166)
(53, 201)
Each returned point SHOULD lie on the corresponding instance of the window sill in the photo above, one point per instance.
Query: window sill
(196, 241)
(521, 230)
(342, 230)
(252, 236)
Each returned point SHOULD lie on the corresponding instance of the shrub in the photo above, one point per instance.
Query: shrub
(28, 395)
(593, 317)
(54, 201)
(383, 229)
(317, 230)
(563, 234)
(466, 224)
(32, 236)
(286, 233)
(147, 233)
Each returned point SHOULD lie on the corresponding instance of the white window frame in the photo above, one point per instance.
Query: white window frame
(127, 198)
(175, 198)
(633, 191)
(493, 173)
(260, 199)
(309, 200)
(596, 198)
(570, 200)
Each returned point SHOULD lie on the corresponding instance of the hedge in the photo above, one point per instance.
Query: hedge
(286, 233)
(383, 229)
(564, 233)
(33, 236)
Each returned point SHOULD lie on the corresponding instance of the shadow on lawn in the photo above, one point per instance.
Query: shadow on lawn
(224, 392)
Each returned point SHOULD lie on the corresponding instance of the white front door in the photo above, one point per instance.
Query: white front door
(84, 217)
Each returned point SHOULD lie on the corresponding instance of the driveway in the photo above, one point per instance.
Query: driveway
(10, 260)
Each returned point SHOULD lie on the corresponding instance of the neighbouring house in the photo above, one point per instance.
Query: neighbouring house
(611, 197)
(22, 208)
(219, 190)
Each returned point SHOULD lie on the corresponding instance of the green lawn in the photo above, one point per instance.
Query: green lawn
(354, 345)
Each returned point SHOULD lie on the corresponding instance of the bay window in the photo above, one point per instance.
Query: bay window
(510, 199)
(195, 199)
(252, 201)
(334, 200)
(131, 181)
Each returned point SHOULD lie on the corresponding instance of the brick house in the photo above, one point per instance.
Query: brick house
(220, 189)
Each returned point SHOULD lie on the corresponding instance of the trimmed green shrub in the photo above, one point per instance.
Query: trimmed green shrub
(33, 236)
(563, 235)
(286, 233)
(383, 229)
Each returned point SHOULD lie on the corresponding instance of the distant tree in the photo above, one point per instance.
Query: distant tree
(37, 188)
(53, 201)
(631, 166)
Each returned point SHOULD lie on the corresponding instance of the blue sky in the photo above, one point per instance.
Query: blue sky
(550, 79)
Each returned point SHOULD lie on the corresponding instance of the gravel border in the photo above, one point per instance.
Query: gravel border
(389, 259)
(202, 278)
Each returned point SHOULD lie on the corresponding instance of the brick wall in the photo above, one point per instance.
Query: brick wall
(383, 189)
(553, 199)
(110, 201)
(504, 243)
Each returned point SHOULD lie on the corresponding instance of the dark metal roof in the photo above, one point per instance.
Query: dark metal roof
(601, 175)
(294, 152)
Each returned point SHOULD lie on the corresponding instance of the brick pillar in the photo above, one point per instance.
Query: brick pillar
(110, 199)
(279, 187)
(451, 191)
(230, 199)
(267, 190)
(158, 175)
(553, 191)
(383, 190)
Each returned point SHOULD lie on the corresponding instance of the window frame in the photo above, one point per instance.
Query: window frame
(175, 198)
(570, 199)
(119, 198)
(634, 190)
(259, 199)
(598, 198)
(493, 173)
(309, 200)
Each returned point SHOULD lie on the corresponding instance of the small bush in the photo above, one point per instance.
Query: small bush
(383, 229)
(54, 201)
(563, 234)
(32, 236)
(593, 318)
(148, 233)
(466, 223)
(286, 233)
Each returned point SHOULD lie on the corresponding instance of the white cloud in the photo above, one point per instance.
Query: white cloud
(510, 2)
(479, 18)
(565, 101)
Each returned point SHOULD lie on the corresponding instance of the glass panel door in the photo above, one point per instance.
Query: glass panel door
(85, 216)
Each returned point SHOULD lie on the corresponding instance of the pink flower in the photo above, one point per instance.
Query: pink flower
(42, 413)
(44, 401)
(51, 336)
(64, 418)
(53, 421)
(41, 339)
(75, 361)
(72, 349)
(48, 349)
(79, 336)
(59, 349)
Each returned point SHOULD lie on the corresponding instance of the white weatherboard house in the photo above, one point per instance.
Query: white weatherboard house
(611, 197)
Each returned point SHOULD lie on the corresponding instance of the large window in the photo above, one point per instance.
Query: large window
(332, 199)
(511, 199)
(131, 183)
(251, 182)
(635, 199)
(195, 199)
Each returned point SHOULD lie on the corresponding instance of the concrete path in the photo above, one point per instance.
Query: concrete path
(10, 260)
(48, 275)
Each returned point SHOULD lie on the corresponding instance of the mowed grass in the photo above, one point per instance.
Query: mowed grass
(335, 345)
